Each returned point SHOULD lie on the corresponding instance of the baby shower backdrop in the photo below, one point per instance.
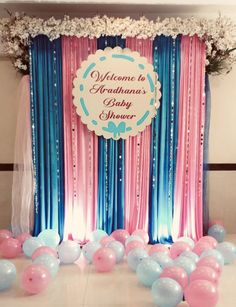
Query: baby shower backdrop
(69, 177)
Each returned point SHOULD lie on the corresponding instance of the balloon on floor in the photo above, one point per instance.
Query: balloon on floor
(169, 271)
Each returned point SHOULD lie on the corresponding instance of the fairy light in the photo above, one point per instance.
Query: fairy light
(55, 95)
(138, 171)
(74, 128)
(36, 200)
(171, 154)
(202, 130)
(106, 175)
(188, 124)
(106, 165)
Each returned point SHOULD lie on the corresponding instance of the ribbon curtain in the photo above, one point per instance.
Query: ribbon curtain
(166, 58)
(153, 181)
(80, 148)
(47, 133)
(110, 214)
(23, 184)
(189, 169)
(137, 157)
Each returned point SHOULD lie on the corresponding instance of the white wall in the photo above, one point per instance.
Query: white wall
(222, 147)
(223, 113)
(9, 80)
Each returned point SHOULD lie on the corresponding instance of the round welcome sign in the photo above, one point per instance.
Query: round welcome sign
(116, 93)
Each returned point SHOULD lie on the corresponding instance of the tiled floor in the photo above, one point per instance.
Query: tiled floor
(79, 285)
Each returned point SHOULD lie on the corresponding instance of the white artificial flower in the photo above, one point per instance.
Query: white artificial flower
(218, 34)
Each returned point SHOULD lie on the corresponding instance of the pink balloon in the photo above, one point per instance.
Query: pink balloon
(104, 259)
(134, 244)
(105, 240)
(211, 263)
(200, 247)
(120, 235)
(159, 248)
(178, 248)
(210, 240)
(23, 237)
(10, 248)
(201, 293)
(142, 234)
(44, 250)
(215, 222)
(176, 273)
(35, 278)
(205, 273)
(5, 234)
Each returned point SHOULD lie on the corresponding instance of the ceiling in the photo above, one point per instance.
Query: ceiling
(133, 8)
(143, 2)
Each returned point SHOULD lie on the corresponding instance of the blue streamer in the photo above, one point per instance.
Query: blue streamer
(47, 133)
(110, 214)
(166, 57)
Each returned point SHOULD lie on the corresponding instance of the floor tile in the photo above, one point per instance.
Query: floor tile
(79, 285)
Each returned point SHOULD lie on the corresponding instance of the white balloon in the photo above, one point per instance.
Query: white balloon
(69, 252)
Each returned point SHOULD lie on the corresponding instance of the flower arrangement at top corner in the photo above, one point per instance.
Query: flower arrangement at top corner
(219, 34)
(15, 46)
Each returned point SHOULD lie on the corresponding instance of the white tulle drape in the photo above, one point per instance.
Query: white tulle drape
(23, 182)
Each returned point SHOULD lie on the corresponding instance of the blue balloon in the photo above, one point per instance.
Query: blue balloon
(89, 249)
(133, 238)
(214, 253)
(227, 249)
(190, 255)
(185, 263)
(118, 248)
(148, 271)
(69, 252)
(98, 234)
(30, 245)
(162, 259)
(50, 237)
(135, 257)
(7, 274)
(167, 292)
(50, 262)
(218, 232)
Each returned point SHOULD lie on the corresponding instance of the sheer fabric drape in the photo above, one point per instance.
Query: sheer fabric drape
(23, 179)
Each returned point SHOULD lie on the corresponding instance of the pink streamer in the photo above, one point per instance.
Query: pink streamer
(189, 170)
(137, 161)
(80, 148)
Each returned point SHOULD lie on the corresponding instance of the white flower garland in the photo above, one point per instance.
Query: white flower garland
(219, 34)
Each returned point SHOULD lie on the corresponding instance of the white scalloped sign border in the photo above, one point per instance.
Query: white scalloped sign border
(116, 93)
